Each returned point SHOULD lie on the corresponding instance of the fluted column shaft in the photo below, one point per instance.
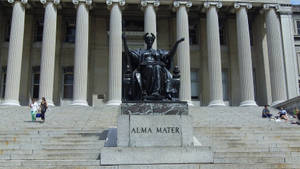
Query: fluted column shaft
(48, 53)
(15, 51)
(214, 57)
(183, 53)
(150, 22)
(244, 55)
(289, 51)
(115, 55)
(274, 40)
(81, 56)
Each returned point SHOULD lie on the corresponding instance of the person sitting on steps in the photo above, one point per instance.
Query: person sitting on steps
(283, 114)
(266, 112)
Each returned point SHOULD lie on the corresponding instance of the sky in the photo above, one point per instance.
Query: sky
(295, 2)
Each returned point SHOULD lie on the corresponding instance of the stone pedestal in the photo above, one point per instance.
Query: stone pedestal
(154, 130)
(154, 133)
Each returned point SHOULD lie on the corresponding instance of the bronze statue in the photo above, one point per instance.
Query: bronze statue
(147, 73)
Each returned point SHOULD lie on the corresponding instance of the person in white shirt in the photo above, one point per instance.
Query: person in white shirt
(34, 107)
(283, 114)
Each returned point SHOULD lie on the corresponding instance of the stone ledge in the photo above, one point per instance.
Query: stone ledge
(155, 155)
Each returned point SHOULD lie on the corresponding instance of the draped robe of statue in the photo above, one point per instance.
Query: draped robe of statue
(151, 69)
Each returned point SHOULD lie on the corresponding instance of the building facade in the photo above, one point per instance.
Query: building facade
(237, 53)
(296, 17)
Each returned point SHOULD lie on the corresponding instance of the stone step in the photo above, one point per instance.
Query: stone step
(8, 163)
(254, 149)
(247, 130)
(46, 151)
(51, 146)
(261, 145)
(266, 133)
(52, 156)
(250, 166)
(66, 167)
(52, 141)
(254, 154)
(248, 160)
(48, 133)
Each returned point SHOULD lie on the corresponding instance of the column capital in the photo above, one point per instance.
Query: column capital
(120, 2)
(238, 5)
(275, 6)
(216, 4)
(155, 3)
(86, 2)
(178, 3)
(285, 10)
(55, 2)
(22, 1)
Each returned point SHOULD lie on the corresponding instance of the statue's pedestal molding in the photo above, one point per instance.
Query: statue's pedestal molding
(154, 133)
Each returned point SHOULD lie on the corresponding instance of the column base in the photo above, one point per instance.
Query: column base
(114, 103)
(216, 103)
(11, 103)
(189, 102)
(50, 103)
(247, 103)
(79, 103)
(277, 102)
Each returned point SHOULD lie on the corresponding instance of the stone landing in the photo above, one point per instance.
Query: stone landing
(155, 155)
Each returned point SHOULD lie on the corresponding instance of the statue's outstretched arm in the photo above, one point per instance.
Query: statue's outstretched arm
(173, 50)
(125, 44)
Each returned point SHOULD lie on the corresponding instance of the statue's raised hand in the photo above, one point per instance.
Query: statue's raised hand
(123, 36)
(180, 40)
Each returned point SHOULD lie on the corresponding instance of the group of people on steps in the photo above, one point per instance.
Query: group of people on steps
(282, 114)
(38, 110)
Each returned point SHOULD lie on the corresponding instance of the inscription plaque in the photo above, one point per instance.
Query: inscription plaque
(155, 130)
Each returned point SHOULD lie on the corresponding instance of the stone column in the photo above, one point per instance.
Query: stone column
(231, 40)
(115, 52)
(48, 51)
(81, 52)
(204, 66)
(15, 51)
(150, 18)
(289, 52)
(260, 50)
(275, 54)
(214, 54)
(244, 55)
(183, 51)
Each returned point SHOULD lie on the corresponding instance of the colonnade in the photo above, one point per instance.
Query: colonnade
(278, 85)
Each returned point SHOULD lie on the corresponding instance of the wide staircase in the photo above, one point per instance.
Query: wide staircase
(72, 137)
